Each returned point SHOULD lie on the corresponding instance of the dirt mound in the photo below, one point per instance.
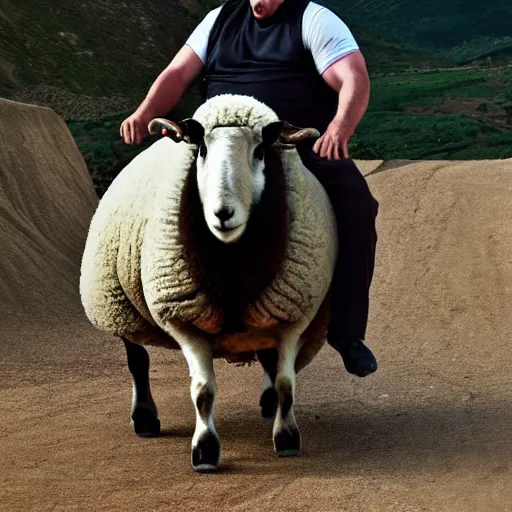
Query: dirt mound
(429, 431)
(46, 202)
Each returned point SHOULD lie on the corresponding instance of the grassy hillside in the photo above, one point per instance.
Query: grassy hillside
(443, 115)
(382, 56)
(87, 58)
(463, 30)
(100, 48)
(93, 62)
(114, 50)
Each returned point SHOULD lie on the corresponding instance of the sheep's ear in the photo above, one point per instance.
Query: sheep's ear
(192, 130)
(271, 132)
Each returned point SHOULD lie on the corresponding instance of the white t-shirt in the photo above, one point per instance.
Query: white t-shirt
(323, 33)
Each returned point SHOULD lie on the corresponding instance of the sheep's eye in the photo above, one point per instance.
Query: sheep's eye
(259, 153)
(202, 149)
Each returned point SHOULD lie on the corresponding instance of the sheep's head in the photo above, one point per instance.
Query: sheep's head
(231, 165)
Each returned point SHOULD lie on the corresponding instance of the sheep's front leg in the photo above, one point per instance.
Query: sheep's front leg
(285, 432)
(268, 399)
(206, 447)
(144, 413)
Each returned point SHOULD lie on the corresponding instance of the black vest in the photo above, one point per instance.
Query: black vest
(266, 59)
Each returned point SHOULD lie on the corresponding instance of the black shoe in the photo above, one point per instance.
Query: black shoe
(357, 357)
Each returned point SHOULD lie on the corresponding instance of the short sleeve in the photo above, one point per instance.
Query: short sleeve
(198, 40)
(326, 36)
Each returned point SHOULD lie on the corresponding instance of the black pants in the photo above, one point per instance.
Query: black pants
(356, 211)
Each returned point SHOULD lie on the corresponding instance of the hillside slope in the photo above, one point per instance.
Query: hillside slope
(115, 49)
(96, 48)
(53, 50)
(462, 30)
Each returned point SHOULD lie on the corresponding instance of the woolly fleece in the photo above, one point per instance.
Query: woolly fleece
(234, 110)
(133, 272)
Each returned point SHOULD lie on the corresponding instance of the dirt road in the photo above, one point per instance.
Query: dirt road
(430, 431)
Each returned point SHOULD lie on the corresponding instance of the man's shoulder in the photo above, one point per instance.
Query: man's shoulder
(318, 9)
(326, 35)
(318, 18)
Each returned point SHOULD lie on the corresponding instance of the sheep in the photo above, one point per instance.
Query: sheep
(218, 242)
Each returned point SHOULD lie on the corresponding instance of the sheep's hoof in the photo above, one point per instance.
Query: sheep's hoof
(268, 403)
(206, 454)
(145, 423)
(287, 442)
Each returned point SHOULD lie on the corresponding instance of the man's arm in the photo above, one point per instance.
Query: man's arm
(169, 88)
(349, 77)
(165, 93)
(186, 66)
(341, 64)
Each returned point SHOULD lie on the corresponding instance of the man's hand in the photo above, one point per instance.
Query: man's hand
(134, 129)
(338, 134)
(349, 77)
(164, 94)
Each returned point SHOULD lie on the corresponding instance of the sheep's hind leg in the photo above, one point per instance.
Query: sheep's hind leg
(286, 434)
(268, 399)
(144, 414)
(206, 448)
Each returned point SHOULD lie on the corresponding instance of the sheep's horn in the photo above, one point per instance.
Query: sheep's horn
(292, 134)
(160, 126)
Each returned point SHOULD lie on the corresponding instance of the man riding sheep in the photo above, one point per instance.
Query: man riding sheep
(301, 60)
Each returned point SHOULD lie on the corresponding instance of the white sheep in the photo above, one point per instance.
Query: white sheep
(223, 245)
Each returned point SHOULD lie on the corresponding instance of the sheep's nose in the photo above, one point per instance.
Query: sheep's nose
(224, 214)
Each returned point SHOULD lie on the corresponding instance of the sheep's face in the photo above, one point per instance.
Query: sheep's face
(231, 177)
(230, 165)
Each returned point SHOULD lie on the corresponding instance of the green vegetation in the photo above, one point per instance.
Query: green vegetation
(443, 115)
(93, 62)
(385, 57)
(95, 48)
(101, 145)
(462, 30)
(102, 148)
(384, 135)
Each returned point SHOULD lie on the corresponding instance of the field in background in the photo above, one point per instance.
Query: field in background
(461, 30)
(438, 115)
(93, 62)
(91, 48)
